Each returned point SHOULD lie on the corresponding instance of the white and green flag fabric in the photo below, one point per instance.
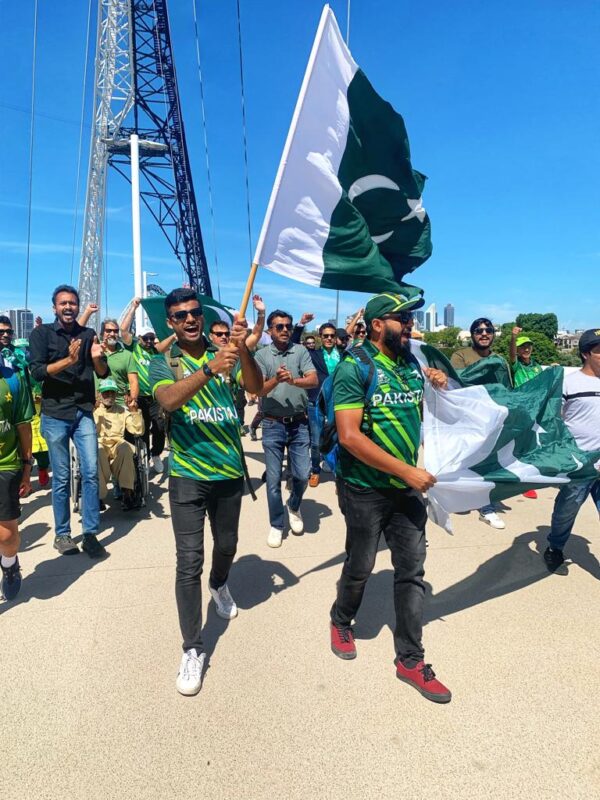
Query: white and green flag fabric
(346, 209)
(486, 443)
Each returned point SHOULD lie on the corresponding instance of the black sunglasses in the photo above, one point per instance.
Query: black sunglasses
(283, 326)
(181, 316)
(111, 330)
(479, 331)
(149, 337)
(328, 336)
(6, 332)
(400, 316)
(226, 334)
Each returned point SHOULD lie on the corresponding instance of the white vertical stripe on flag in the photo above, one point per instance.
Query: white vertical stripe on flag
(296, 225)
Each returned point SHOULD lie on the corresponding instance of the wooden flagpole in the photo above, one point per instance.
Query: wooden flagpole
(248, 290)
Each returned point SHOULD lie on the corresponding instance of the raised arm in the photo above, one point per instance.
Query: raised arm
(512, 350)
(126, 334)
(162, 347)
(257, 331)
(84, 318)
(352, 324)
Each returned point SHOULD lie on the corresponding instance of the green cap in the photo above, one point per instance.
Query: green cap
(523, 340)
(390, 303)
(107, 385)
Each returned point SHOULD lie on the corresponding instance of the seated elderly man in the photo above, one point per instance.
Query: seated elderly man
(115, 455)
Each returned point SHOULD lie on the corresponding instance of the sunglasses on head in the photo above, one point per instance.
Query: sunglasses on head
(6, 332)
(479, 331)
(181, 316)
(283, 326)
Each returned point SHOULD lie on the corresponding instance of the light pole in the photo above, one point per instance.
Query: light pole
(146, 321)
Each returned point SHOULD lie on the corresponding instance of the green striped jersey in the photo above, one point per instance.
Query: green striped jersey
(205, 432)
(392, 418)
(142, 359)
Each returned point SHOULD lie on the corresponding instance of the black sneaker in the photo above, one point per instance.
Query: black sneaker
(555, 561)
(11, 580)
(92, 546)
(253, 436)
(65, 545)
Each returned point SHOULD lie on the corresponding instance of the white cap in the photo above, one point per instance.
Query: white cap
(145, 332)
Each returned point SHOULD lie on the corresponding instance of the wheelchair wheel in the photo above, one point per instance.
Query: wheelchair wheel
(142, 472)
(75, 477)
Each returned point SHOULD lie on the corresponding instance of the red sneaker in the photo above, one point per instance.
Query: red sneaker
(342, 642)
(43, 477)
(422, 677)
(531, 494)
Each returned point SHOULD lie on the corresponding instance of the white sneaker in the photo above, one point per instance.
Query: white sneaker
(274, 537)
(494, 520)
(226, 607)
(296, 521)
(157, 464)
(189, 677)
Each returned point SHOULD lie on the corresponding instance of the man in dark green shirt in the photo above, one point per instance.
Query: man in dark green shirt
(380, 485)
(205, 464)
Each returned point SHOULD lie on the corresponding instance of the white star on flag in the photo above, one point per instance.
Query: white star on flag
(416, 210)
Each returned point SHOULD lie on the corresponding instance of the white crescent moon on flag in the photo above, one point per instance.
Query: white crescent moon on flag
(367, 183)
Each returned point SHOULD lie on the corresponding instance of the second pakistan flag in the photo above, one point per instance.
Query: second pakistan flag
(346, 209)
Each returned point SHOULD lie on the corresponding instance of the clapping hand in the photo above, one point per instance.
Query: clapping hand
(98, 349)
(74, 348)
(258, 304)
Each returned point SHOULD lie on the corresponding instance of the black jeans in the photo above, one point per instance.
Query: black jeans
(190, 500)
(400, 515)
(153, 421)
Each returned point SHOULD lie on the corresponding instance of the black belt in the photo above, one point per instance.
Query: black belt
(287, 420)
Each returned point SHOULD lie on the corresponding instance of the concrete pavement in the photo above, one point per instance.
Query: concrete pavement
(90, 653)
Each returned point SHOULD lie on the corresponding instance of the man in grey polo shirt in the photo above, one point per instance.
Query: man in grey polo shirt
(288, 372)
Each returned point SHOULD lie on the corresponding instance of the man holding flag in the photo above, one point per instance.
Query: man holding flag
(380, 485)
(581, 413)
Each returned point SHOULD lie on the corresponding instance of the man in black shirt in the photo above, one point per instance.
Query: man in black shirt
(64, 358)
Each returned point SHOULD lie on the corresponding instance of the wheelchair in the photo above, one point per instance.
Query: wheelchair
(141, 488)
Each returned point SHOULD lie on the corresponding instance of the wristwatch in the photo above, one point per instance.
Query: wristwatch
(27, 462)
(208, 371)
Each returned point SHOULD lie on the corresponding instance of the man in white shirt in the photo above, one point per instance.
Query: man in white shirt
(581, 413)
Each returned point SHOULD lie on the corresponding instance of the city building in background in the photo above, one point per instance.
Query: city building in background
(431, 318)
(21, 320)
(449, 315)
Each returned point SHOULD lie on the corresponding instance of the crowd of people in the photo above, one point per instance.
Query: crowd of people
(69, 389)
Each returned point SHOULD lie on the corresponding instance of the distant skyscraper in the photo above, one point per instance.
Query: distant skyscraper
(449, 315)
(431, 318)
(21, 320)
(419, 318)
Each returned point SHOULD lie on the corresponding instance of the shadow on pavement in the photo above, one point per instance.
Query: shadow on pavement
(54, 576)
(252, 581)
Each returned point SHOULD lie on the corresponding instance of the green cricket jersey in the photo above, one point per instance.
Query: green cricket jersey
(120, 364)
(524, 372)
(15, 408)
(142, 359)
(205, 432)
(392, 418)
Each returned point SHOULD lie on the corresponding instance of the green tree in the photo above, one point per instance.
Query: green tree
(547, 324)
(544, 351)
(448, 338)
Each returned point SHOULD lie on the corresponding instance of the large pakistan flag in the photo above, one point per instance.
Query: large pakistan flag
(346, 209)
(486, 443)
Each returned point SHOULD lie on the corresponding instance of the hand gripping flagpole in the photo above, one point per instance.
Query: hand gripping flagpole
(284, 157)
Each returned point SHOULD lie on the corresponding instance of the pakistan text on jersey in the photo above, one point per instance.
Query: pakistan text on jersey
(214, 414)
(397, 398)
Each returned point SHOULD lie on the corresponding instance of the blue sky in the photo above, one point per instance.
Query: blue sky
(501, 104)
